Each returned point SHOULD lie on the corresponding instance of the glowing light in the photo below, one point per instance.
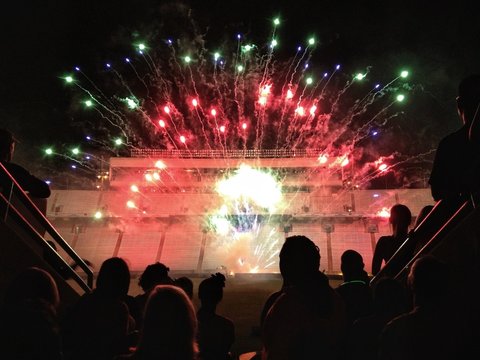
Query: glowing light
(127, 60)
(131, 204)
(134, 188)
(251, 184)
(141, 47)
(311, 41)
(262, 100)
(88, 103)
(73, 166)
(148, 177)
(375, 133)
(183, 139)
(77, 68)
(222, 128)
(118, 141)
(322, 159)
(69, 79)
(273, 43)
(244, 126)
(289, 94)
(166, 109)
(187, 59)
(276, 21)
(221, 225)
(265, 90)
(213, 112)
(49, 151)
(108, 65)
(216, 56)
(309, 81)
(131, 103)
(404, 74)
(247, 48)
(400, 97)
(313, 109)
(382, 167)
(384, 213)
(98, 215)
(161, 123)
(195, 102)
(240, 68)
(159, 164)
(344, 162)
(300, 111)
(359, 76)
(337, 67)
(156, 175)
(75, 151)
(376, 195)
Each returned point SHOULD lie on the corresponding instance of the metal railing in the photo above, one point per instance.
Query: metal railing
(11, 190)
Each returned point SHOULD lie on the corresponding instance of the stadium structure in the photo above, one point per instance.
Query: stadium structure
(200, 211)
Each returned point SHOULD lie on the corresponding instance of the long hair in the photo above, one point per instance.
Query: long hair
(169, 326)
(113, 279)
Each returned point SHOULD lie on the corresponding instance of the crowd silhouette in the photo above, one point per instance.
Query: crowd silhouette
(307, 318)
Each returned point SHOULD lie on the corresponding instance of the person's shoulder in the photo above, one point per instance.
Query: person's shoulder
(455, 138)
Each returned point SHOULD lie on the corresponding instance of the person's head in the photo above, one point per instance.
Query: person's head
(186, 284)
(169, 325)
(299, 259)
(154, 274)
(33, 284)
(7, 145)
(113, 279)
(400, 216)
(468, 99)
(210, 290)
(351, 264)
(428, 279)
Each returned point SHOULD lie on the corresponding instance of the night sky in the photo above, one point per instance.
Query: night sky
(42, 40)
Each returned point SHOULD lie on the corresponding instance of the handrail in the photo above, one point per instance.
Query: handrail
(14, 188)
(445, 215)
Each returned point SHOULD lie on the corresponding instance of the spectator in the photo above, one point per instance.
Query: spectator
(389, 301)
(307, 321)
(32, 185)
(400, 219)
(428, 331)
(29, 325)
(169, 327)
(99, 325)
(216, 333)
(355, 289)
(186, 284)
(153, 275)
(456, 167)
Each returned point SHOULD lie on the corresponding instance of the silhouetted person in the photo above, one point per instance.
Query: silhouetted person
(37, 189)
(169, 327)
(428, 331)
(186, 284)
(389, 301)
(216, 333)
(153, 275)
(456, 167)
(32, 185)
(29, 327)
(307, 321)
(355, 289)
(400, 219)
(99, 325)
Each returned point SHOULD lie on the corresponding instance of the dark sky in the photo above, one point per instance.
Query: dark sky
(41, 40)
